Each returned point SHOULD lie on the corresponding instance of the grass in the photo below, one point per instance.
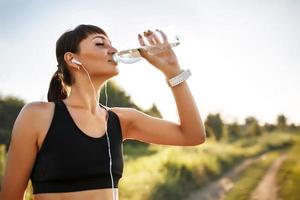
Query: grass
(288, 178)
(251, 177)
(173, 172)
(134, 149)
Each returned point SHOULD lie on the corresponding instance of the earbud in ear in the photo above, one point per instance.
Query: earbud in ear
(76, 61)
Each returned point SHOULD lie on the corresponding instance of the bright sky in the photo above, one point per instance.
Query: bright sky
(244, 55)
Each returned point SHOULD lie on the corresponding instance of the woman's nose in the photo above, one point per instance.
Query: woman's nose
(112, 50)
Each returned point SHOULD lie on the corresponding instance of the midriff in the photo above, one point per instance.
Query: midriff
(97, 194)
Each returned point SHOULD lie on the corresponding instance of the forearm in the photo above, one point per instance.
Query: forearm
(190, 120)
(7, 193)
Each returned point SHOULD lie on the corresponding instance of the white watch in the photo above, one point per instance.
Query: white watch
(185, 74)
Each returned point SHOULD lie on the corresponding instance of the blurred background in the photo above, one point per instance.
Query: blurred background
(244, 57)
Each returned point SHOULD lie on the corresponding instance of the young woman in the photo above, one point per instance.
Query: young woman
(71, 146)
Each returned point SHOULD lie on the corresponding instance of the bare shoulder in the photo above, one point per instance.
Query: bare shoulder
(38, 114)
(126, 116)
(38, 109)
(37, 106)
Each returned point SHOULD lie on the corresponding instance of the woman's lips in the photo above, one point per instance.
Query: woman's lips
(112, 61)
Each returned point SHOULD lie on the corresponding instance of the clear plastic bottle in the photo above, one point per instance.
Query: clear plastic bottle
(130, 56)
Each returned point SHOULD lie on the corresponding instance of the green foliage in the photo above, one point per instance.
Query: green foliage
(281, 122)
(178, 180)
(9, 109)
(214, 126)
(269, 127)
(288, 178)
(4, 136)
(116, 96)
(2, 161)
(173, 172)
(136, 149)
(267, 142)
(293, 128)
(232, 131)
(252, 127)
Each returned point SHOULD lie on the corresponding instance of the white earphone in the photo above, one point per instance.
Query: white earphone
(76, 61)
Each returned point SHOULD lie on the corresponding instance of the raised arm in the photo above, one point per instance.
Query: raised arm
(190, 130)
(21, 154)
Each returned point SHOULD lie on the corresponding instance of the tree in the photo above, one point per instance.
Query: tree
(269, 127)
(9, 109)
(232, 131)
(281, 122)
(292, 127)
(252, 127)
(214, 125)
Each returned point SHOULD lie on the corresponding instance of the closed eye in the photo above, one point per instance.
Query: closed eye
(99, 44)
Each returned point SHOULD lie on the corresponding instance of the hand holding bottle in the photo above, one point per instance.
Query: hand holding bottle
(159, 53)
(155, 51)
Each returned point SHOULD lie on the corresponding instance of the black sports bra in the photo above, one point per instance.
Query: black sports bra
(69, 160)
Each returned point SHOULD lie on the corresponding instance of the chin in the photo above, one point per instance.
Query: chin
(112, 72)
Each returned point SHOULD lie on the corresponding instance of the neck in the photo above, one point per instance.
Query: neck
(84, 96)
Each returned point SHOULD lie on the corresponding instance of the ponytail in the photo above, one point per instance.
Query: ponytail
(57, 90)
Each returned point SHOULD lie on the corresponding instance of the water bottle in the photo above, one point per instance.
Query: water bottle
(130, 56)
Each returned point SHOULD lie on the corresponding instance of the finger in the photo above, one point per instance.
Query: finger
(163, 35)
(148, 36)
(152, 40)
(141, 40)
(156, 38)
(142, 43)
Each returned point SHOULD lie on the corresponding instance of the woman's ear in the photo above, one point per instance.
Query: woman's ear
(71, 60)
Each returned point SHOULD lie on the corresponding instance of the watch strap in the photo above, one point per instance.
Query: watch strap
(184, 75)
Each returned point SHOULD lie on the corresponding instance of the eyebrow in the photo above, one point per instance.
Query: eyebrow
(102, 37)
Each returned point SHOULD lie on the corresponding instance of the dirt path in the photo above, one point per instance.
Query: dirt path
(267, 188)
(217, 189)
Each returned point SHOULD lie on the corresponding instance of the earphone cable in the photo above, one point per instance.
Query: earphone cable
(107, 137)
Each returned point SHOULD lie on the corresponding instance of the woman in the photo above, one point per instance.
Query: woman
(65, 145)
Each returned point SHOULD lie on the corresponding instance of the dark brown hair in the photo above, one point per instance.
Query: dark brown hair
(68, 42)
